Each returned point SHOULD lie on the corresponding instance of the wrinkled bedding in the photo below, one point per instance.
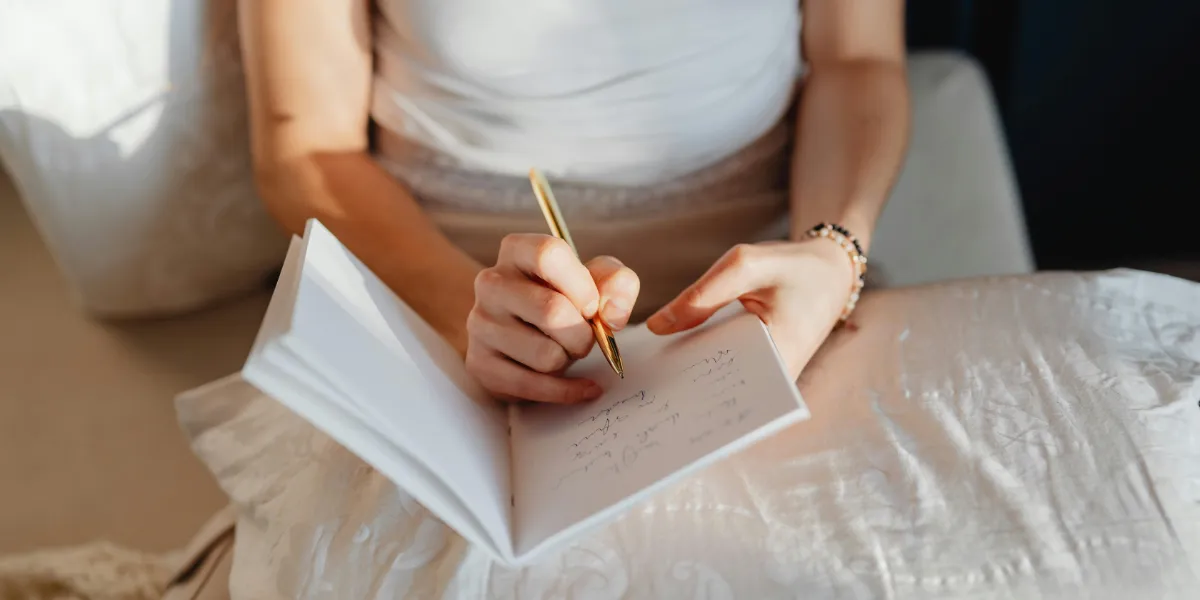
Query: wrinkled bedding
(1024, 437)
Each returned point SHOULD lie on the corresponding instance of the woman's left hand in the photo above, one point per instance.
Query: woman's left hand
(798, 289)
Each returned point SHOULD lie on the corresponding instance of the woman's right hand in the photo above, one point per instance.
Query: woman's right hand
(529, 322)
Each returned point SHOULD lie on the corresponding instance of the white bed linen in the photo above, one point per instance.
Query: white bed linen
(1023, 437)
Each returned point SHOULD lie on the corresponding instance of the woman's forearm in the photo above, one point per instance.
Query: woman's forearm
(381, 223)
(851, 138)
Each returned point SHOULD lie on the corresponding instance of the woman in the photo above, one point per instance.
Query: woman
(666, 128)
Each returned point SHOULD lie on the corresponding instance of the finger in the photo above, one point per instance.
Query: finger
(743, 269)
(554, 262)
(518, 341)
(618, 286)
(508, 380)
(504, 293)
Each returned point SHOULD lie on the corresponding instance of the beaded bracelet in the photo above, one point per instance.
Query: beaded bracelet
(858, 259)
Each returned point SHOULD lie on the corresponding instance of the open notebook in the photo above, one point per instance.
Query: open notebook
(341, 350)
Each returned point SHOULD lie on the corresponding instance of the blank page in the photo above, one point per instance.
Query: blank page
(387, 365)
(687, 400)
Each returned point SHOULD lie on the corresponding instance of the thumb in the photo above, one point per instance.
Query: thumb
(740, 271)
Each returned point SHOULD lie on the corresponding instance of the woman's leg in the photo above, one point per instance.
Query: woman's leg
(955, 210)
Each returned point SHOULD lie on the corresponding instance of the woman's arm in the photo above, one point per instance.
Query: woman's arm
(854, 114)
(308, 74)
(853, 130)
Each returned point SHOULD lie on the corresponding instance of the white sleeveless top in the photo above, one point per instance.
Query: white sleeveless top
(615, 92)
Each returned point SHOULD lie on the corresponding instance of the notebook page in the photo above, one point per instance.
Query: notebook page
(686, 399)
(361, 339)
(278, 371)
(381, 311)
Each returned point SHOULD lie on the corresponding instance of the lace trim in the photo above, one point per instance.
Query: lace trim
(441, 184)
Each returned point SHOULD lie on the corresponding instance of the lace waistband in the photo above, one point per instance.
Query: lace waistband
(442, 185)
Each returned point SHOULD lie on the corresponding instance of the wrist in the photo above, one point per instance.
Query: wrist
(834, 239)
(441, 291)
(859, 225)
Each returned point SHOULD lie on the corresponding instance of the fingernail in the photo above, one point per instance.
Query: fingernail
(616, 311)
(589, 311)
(661, 320)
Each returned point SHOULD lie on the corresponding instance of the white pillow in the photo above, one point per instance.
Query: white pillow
(123, 125)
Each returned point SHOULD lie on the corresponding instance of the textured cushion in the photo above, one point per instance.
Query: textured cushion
(123, 125)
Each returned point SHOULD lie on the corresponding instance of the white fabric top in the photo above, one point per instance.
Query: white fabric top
(606, 91)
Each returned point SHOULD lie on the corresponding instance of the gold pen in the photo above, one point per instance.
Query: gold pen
(604, 335)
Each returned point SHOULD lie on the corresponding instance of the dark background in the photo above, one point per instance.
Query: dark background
(1100, 102)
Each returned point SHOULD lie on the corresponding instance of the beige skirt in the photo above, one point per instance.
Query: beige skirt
(668, 233)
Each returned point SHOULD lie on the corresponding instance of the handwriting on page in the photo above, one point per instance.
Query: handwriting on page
(695, 403)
